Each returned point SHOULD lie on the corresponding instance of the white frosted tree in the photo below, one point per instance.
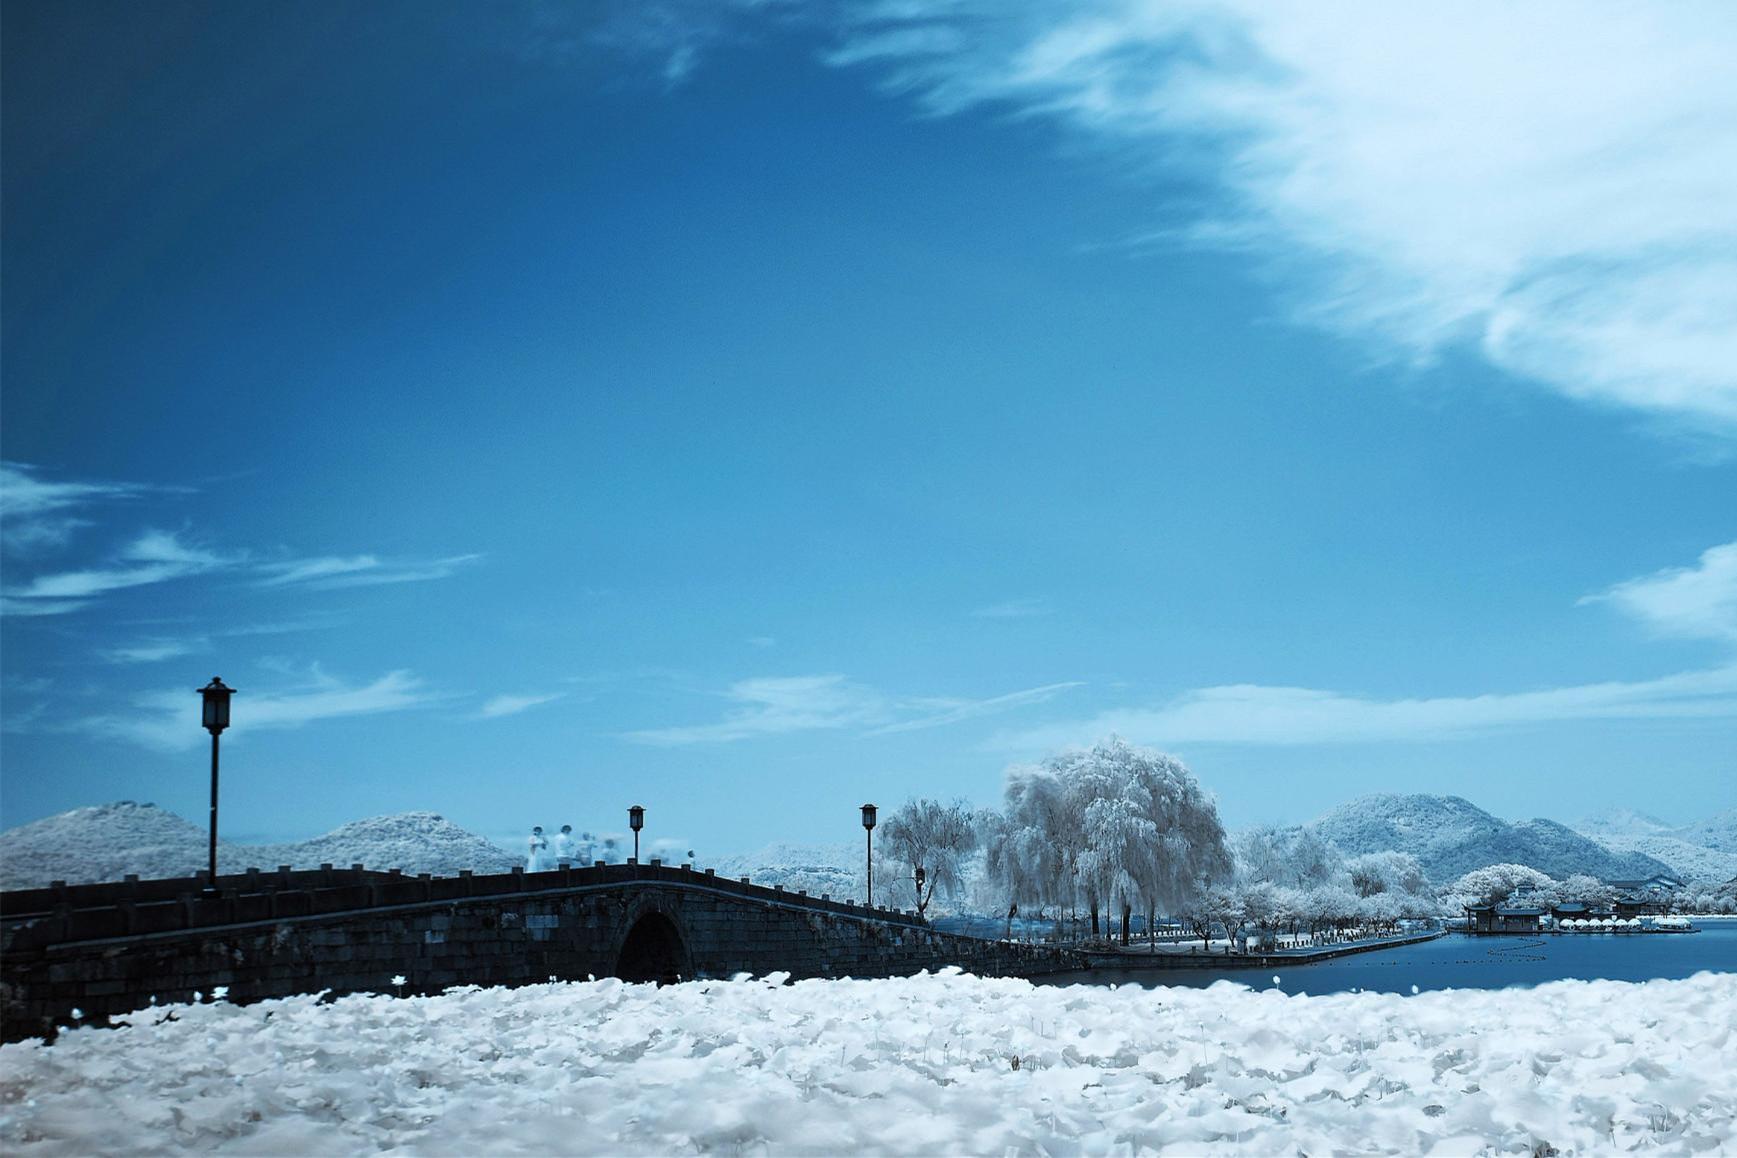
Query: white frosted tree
(1494, 884)
(1260, 904)
(929, 842)
(1587, 890)
(1223, 905)
(1313, 860)
(1386, 872)
(1381, 910)
(1034, 845)
(1109, 825)
(1259, 854)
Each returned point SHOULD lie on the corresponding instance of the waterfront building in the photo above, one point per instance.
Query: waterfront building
(1504, 918)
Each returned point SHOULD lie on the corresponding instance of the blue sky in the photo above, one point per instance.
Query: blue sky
(747, 410)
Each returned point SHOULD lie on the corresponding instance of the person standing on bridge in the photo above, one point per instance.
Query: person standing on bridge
(566, 848)
(537, 861)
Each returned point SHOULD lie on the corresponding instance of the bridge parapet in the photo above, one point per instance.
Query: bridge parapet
(66, 914)
(111, 949)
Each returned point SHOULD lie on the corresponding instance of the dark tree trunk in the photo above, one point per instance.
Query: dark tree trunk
(1126, 910)
(1094, 919)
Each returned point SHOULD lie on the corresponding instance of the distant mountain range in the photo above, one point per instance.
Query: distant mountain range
(1703, 851)
(834, 870)
(108, 841)
(1451, 836)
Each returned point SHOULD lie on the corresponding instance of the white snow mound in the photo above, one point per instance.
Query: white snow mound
(922, 1065)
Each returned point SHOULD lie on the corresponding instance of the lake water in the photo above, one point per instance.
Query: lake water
(1459, 961)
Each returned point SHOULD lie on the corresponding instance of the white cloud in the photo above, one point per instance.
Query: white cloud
(154, 557)
(775, 706)
(771, 706)
(1698, 602)
(512, 705)
(37, 516)
(16, 608)
(169, 720)
(1257, 714)
(152, 651)
(331, 572)
(1550, 183)
(34, 511)
(1012, 609)
(942, 712)
(304, 570)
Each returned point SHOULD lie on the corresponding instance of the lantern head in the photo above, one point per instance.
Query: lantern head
(636, 817)
(868, 816)
(216, 714)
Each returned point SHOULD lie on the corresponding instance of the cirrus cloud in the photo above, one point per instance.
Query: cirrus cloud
(773, 706)
(169, 720)
(1550, 184)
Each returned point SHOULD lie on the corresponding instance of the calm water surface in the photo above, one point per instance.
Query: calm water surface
(1458, 961)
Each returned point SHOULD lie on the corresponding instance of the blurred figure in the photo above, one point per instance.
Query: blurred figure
(565, 846)
(538, 860)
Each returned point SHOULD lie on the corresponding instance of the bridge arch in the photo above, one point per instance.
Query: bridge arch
(653, 950)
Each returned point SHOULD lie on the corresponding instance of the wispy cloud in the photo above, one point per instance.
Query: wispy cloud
(670, 37)
(943, 712)
(774, 706)
(153, 557)
(1698, 602)
(1549, 184)
(152, 651)
(36, 513)
(1012, 609)
(1257, 714)
(24, 608)
(157, 648)
(332, 572)
(509, 705)
(169, 720)
(307, 570)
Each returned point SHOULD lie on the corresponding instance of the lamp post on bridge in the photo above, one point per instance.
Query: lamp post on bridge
(636, 821)
(921, 876)
(215, 718)
(868, 824)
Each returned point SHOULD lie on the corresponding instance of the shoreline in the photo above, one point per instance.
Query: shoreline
(1127, 962)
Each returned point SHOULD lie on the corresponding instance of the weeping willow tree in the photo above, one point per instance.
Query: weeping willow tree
(1109, 826)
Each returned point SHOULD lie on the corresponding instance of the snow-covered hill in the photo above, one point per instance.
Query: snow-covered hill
(1451, 836)
(1718, 831)
(1704, 851)
(106, 842)
(417, 842)
(1620, 822)
(834, 870)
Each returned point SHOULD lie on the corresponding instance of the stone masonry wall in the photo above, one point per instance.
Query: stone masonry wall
(567, 934)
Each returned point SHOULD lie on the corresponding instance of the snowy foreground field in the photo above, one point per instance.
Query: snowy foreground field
(923, 1065)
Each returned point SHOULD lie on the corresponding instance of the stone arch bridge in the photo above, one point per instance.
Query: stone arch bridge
(113, 948)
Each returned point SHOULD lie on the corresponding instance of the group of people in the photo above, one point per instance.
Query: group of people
(549, 854)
